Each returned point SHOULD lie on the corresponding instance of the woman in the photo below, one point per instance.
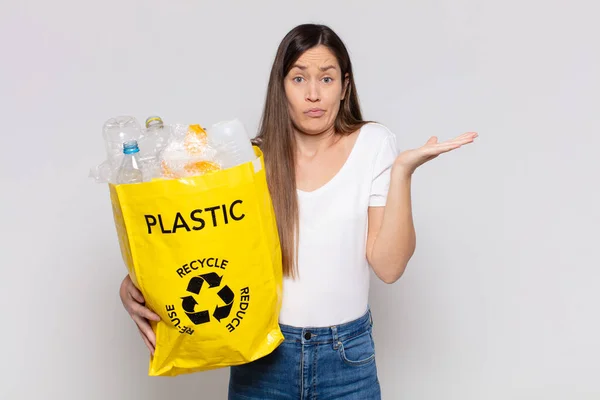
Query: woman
(341, 194)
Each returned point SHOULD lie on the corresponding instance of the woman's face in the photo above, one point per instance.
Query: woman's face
(314, 88)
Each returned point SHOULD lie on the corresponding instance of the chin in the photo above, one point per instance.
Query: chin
(314, 126)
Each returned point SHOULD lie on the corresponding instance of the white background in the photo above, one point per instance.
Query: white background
(501, 298)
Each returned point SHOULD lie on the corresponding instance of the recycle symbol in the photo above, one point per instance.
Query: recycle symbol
(189, 303)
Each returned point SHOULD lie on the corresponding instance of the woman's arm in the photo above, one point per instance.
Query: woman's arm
(391, 239)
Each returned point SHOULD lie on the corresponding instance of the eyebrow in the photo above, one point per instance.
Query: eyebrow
(327, 67)
(303, 67)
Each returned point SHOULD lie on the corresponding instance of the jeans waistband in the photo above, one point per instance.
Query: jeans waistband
(330, 334)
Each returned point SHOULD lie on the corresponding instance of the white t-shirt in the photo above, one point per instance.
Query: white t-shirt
(333, 283)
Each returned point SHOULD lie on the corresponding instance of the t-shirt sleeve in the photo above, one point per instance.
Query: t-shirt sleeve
(380, 184)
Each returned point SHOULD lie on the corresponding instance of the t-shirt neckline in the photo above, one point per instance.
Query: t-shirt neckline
(338, 173)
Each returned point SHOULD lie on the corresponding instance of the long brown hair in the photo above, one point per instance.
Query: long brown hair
(276, 134)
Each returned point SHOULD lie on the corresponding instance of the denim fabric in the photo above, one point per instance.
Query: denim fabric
(335, 362)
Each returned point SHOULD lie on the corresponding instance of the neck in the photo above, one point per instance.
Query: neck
(311, 144)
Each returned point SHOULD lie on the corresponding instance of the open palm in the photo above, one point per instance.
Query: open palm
(410, 160)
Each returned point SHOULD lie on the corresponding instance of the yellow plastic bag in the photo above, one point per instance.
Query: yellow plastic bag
(204, 251)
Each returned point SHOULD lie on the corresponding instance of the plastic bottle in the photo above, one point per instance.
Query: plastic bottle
(232, 143)
(117, 131)
(156, 135)
(130, 171)
(152, 142)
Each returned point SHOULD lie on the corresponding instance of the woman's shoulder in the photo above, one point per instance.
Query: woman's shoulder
(375, 135)
(376, 132)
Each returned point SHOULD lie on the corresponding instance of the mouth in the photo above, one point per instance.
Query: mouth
(314, 112)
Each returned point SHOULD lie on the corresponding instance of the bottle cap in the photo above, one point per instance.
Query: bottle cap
(130, 147)
(154, 121)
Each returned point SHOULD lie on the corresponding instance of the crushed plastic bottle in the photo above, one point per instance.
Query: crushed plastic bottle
(188, 153)
(232, 143)
(117, 131)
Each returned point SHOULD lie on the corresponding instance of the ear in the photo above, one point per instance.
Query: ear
(346, 85)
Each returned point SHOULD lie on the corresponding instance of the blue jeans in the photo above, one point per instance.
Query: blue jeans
(335, 362)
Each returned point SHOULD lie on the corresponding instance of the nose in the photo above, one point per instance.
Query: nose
(313, 94)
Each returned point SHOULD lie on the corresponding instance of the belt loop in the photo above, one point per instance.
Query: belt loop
(334, 333)
(370, 318)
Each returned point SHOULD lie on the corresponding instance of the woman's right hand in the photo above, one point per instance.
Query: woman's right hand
(134, 303)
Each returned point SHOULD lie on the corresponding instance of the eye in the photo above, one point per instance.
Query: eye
(327, 80)
(298, 79)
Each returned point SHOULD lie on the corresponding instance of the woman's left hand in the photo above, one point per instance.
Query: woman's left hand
(409, 160)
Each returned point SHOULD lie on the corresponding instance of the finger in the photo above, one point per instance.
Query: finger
(441, 148)
(445, 146)
(464, 138)
(147, 342)
(144, 312)
(450, 146)
(468, 137)
(467, 134)
(145, 329)
(135, 293)
(432, 140)
(460, 140)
